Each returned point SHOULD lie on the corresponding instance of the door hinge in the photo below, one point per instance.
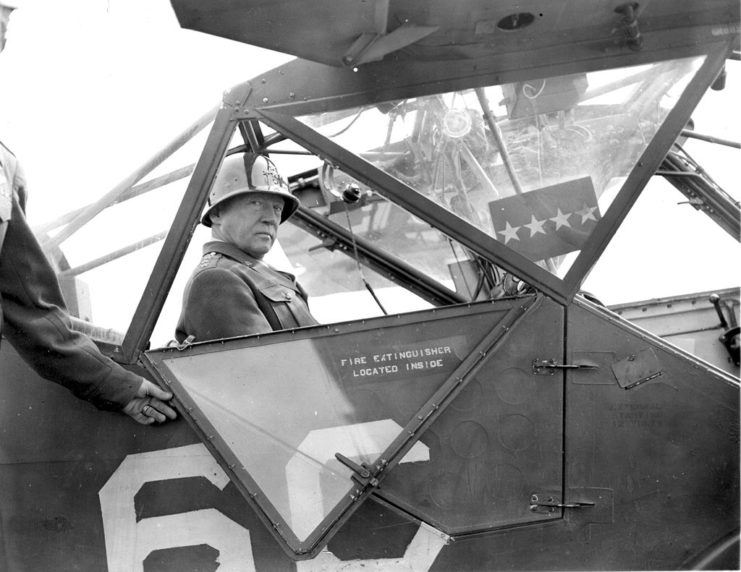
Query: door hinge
(547, 503)
(549, 366)
(638, 368)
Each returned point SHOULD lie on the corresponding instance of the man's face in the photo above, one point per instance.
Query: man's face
(249, 221)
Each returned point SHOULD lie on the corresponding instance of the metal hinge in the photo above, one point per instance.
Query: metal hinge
(637, 369)
(549, 366)
(547, 503)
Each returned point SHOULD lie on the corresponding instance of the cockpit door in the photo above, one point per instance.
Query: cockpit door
(439, 412)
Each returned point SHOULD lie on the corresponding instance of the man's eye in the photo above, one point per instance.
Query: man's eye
(278, 208)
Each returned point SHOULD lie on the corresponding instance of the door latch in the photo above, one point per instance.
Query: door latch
(549, 366)
(361, 473)
(549, 503)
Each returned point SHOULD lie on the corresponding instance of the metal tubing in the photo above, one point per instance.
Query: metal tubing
(128, 194)
(703, 193)
(176, 243)
(251, 134)
(710, 139)
(100, 261)
(478, 170)
(500, 140)
(93, 209)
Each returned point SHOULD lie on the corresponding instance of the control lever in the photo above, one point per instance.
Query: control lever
(730, 337)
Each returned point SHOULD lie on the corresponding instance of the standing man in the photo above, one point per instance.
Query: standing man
(34, 318)
(232, 291)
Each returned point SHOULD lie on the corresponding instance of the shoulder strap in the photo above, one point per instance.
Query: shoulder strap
(262, 301)
(264, 304)
(3, 228)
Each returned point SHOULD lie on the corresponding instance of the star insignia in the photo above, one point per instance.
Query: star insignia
(587, 213)
(535, 226)
(509, 233)
(561, 219)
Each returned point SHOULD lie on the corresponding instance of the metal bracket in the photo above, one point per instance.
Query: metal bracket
(637, 369)
(631, 33)
(548, 503)
(237, 98)
(549, 366)
(361, 473)
(371, 47)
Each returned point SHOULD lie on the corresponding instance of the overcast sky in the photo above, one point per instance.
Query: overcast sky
(92, 88)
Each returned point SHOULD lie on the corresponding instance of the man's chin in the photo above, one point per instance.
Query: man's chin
(258, 248)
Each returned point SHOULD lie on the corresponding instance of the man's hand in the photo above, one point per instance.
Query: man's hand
(148, 407)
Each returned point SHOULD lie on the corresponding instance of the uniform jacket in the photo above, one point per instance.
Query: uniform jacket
(233, 294)
(33, 315)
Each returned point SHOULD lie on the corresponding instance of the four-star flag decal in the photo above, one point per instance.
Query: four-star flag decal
(549, 221)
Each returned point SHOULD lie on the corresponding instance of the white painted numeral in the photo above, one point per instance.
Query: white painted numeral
(128, 543)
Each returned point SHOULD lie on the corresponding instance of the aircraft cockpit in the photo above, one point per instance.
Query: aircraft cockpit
(448, 219)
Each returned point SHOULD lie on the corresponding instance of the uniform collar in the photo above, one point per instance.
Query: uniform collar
(228, 249)
(236, 253)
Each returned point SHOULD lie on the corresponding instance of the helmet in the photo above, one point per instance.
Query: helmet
(249, 173)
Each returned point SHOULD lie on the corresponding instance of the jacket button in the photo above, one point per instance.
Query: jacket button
(287, 295)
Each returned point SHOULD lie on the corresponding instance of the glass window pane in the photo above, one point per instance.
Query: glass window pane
(340, 286)
(535, 164)
(386, 226)
(394, 231)
(352, 394)
(336, 282)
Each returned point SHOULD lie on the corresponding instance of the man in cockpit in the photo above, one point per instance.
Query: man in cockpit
(233, 292)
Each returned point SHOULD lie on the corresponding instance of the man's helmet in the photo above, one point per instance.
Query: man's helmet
(249, 173)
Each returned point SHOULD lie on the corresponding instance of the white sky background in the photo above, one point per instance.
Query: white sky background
(93, 88)
(666, 249)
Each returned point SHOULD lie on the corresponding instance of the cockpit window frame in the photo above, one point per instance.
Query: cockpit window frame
(561, 289)
(644, 170)
(249, 101)
(514, 311)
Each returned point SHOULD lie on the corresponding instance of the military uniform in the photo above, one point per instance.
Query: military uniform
(33, 312)
(233, 294)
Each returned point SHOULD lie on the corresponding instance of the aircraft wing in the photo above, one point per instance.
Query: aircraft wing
(347, 33)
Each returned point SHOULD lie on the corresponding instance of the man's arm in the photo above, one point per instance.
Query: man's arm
(37, 324)
(219, 304)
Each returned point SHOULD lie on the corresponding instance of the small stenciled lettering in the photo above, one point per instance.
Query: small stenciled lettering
(382, 370)
(645, 415)
(396, 362)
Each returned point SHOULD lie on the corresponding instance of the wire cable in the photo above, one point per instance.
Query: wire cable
(357, 261)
